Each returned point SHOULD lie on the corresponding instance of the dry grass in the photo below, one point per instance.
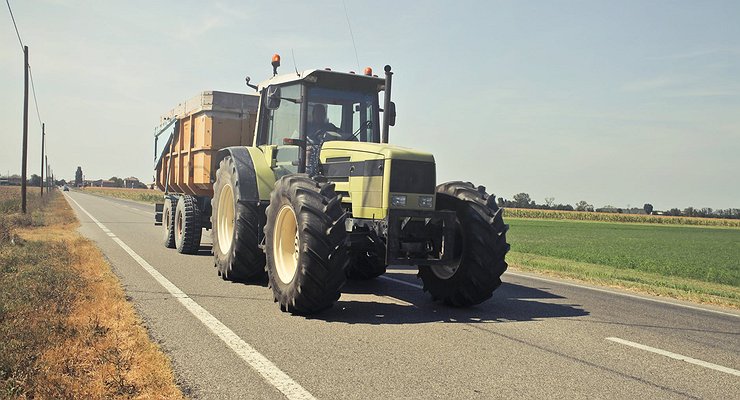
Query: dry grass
(66, 330)
(149, 196)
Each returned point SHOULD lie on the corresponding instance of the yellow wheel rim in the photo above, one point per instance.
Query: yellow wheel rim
(286, 244)
(225, 218)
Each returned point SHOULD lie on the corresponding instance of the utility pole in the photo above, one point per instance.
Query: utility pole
(43, 136)
(25, 130)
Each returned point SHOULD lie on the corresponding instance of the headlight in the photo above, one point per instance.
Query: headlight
(426, 201)
(398, 200)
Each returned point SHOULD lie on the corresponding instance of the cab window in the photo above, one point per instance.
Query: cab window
(284, 121)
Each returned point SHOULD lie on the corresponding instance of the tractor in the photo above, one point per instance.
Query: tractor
(319, 196)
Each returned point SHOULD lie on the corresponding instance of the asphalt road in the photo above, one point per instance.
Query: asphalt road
(385, 339)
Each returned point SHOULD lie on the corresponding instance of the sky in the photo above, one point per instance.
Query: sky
(615, 103)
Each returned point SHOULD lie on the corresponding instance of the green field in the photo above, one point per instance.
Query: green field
(149, 196)
(694, 260)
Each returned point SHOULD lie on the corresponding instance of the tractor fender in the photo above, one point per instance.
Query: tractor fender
(256, 178)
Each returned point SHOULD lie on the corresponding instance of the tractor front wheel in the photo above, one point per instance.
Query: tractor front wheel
(369, 262)
(480, 247)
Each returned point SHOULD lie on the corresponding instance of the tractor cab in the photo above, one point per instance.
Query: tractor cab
(300, 112)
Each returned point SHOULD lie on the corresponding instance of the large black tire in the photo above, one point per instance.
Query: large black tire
(168, 224)
(479, 250)
(236, 234)
(305, 244)
(368, 263)
(188, 229)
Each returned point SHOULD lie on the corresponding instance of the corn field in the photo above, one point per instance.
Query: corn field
(611, 217)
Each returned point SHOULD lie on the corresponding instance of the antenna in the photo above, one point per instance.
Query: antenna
(346, 14)
(294, 63)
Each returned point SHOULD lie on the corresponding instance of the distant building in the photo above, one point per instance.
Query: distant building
(99, 183)
(133, 183)
(12, 180)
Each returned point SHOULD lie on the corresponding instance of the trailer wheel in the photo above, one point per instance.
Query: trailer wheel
(168, 224)
(188, 229)
(364, 264)
(479, 251)
(305, 244)
(235, 229)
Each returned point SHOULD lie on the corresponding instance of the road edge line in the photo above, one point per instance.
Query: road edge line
(633, 296)
(261, 364)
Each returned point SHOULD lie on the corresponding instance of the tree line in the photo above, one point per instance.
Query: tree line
(523, 200)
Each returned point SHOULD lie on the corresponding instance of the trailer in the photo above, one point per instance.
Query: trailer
(185, 166)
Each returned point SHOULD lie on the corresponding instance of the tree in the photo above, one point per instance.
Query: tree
(78, 176)
(522, 200)
(583, 206)
(648, 208)
(549, 201)
(35, 180)
(118, 181)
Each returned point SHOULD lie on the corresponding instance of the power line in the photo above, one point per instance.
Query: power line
(346, 14)
(30, 73)
(14, 24)
(33, 90)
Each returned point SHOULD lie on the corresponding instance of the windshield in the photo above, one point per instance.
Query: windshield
(352, 115)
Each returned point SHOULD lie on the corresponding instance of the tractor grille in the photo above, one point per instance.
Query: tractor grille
(412, 177)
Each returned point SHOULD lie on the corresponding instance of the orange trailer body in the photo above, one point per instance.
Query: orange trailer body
(202, 126)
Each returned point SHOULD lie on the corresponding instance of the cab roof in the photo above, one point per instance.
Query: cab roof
(327, 78)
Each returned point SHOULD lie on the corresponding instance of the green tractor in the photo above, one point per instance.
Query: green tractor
(321, 197)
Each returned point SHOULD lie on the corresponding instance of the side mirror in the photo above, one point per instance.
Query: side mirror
(392, 114)
(273, 97)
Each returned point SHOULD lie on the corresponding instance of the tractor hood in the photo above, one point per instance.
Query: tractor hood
(357, 151)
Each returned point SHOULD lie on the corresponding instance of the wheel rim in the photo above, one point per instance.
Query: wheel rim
(166, 223)
(445, 272)
(178, 225)
(286, 244)
(225, 218)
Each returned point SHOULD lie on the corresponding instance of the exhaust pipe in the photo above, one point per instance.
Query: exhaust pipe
(387, 105)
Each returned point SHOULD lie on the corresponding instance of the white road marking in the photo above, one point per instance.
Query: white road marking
(369, 297)
(269, 371)
(676, 356)
(578, 286)
(413, 285)
(402, 271)
(137, 210)
(148, 213)
(622, 294)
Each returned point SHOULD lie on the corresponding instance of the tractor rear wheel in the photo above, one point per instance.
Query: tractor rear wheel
(305, 244)
(480, 247)
(235, 229)
(168, 223)
(188, 229)
(367, 264)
